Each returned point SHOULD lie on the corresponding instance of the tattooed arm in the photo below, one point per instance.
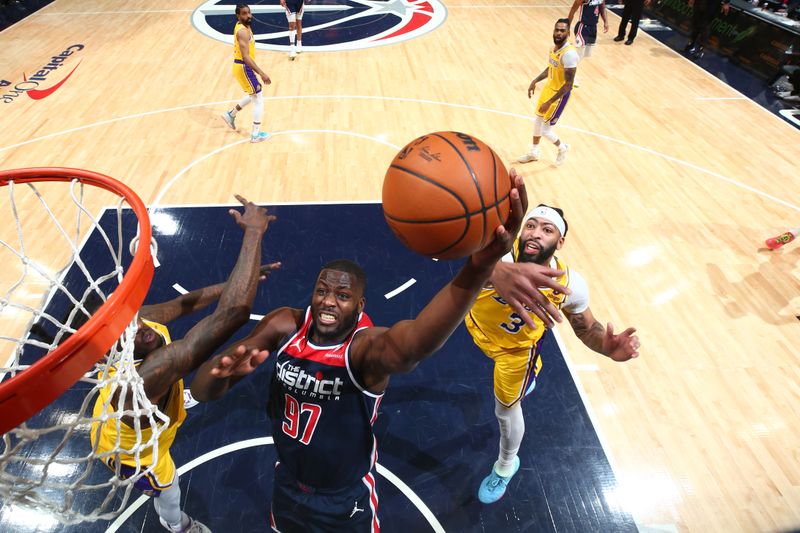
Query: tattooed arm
(621, 347)
(165, 366)
(192, 301)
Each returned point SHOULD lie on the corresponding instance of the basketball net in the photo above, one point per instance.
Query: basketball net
(48, 462)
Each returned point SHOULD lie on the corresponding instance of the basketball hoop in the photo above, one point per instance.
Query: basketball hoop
(50, 355)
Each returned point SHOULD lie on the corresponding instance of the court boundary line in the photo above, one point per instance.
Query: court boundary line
(573, 371)
(650, 151)
(266, 441)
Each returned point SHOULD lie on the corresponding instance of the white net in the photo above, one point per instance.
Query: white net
(61, 263)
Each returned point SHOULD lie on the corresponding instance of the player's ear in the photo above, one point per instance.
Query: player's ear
(560, 243)
(362, 302)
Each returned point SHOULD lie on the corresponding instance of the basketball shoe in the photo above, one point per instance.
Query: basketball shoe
(229, 119)
(192, 525)
(562, 153)
(773, 243)
(532, 155)
(260, 137)
(292, 53)
(299, 47)
(494, 485)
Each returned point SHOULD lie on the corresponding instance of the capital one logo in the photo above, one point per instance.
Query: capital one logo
(343, 25)
(32, 85)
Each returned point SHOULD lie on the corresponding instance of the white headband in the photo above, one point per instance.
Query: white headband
(549, 214)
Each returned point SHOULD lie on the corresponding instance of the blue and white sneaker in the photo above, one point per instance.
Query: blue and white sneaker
(229, 119)
(262, 136)
(494, 486)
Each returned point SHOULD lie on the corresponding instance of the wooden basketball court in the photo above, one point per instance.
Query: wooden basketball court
(672, 184)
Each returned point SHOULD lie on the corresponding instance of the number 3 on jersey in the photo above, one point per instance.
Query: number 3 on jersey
(293, 412)
(514, 323)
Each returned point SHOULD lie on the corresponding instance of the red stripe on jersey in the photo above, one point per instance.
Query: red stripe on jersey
(300, 347)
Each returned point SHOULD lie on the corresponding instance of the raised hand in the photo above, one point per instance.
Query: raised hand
(254, 217)
(519, 285)
(505, 234)
(266, 270)
(620, 347)
(239, 363)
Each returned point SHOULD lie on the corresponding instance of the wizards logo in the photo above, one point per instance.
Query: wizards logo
(328, 25)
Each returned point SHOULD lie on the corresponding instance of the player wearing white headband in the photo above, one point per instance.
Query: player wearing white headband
(509, 334)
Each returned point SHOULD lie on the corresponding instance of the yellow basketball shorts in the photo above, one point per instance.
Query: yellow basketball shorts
(246, 77)
(556, 109)
(161, 476)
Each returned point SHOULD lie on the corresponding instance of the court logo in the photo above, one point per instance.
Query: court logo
(336, 26)
(31, 85)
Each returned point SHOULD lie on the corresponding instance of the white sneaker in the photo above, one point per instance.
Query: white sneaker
(292, 53)
(576, 83)
(229, 119)
(299, 47)
(262, 136)
(533, 155)
(193, 527)
(562, 153)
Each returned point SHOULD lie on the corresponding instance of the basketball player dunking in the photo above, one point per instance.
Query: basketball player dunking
(560, 74)
(245, 70)
(331, 370)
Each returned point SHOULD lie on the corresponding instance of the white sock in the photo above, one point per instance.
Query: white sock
(562, 147)
(243, 102)
(534, 149)
(168, 508)
(258, 112)
(512, 429)
(292, 36)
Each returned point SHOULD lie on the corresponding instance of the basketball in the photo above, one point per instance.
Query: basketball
(445, 193)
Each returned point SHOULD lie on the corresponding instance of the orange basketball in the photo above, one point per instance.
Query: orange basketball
(445, 193)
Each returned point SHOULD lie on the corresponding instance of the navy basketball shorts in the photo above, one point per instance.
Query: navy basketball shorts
(585, 34)
(297, 508)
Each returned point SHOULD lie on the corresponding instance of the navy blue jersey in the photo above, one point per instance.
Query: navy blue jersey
(590, 12)
(321, 417)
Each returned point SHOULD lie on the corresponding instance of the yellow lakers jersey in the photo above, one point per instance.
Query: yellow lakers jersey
(496, 327)
(237, 53)
(106, 441)
(555, 68)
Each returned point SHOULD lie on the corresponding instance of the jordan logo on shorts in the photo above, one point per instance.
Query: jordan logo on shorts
(355, 510)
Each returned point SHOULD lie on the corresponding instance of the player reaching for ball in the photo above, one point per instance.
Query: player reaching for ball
(332, 367)
(507, 333)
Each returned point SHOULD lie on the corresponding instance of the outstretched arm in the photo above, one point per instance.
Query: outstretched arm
(378, 352)
(602, 340)
(519, 284)
(221, 372)
(192, 301)
(167, 365)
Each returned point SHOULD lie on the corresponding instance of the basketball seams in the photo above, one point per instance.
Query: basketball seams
(426, 179)
(472, 175)
(450, 219)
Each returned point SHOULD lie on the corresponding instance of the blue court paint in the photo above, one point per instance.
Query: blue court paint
(436, 429)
